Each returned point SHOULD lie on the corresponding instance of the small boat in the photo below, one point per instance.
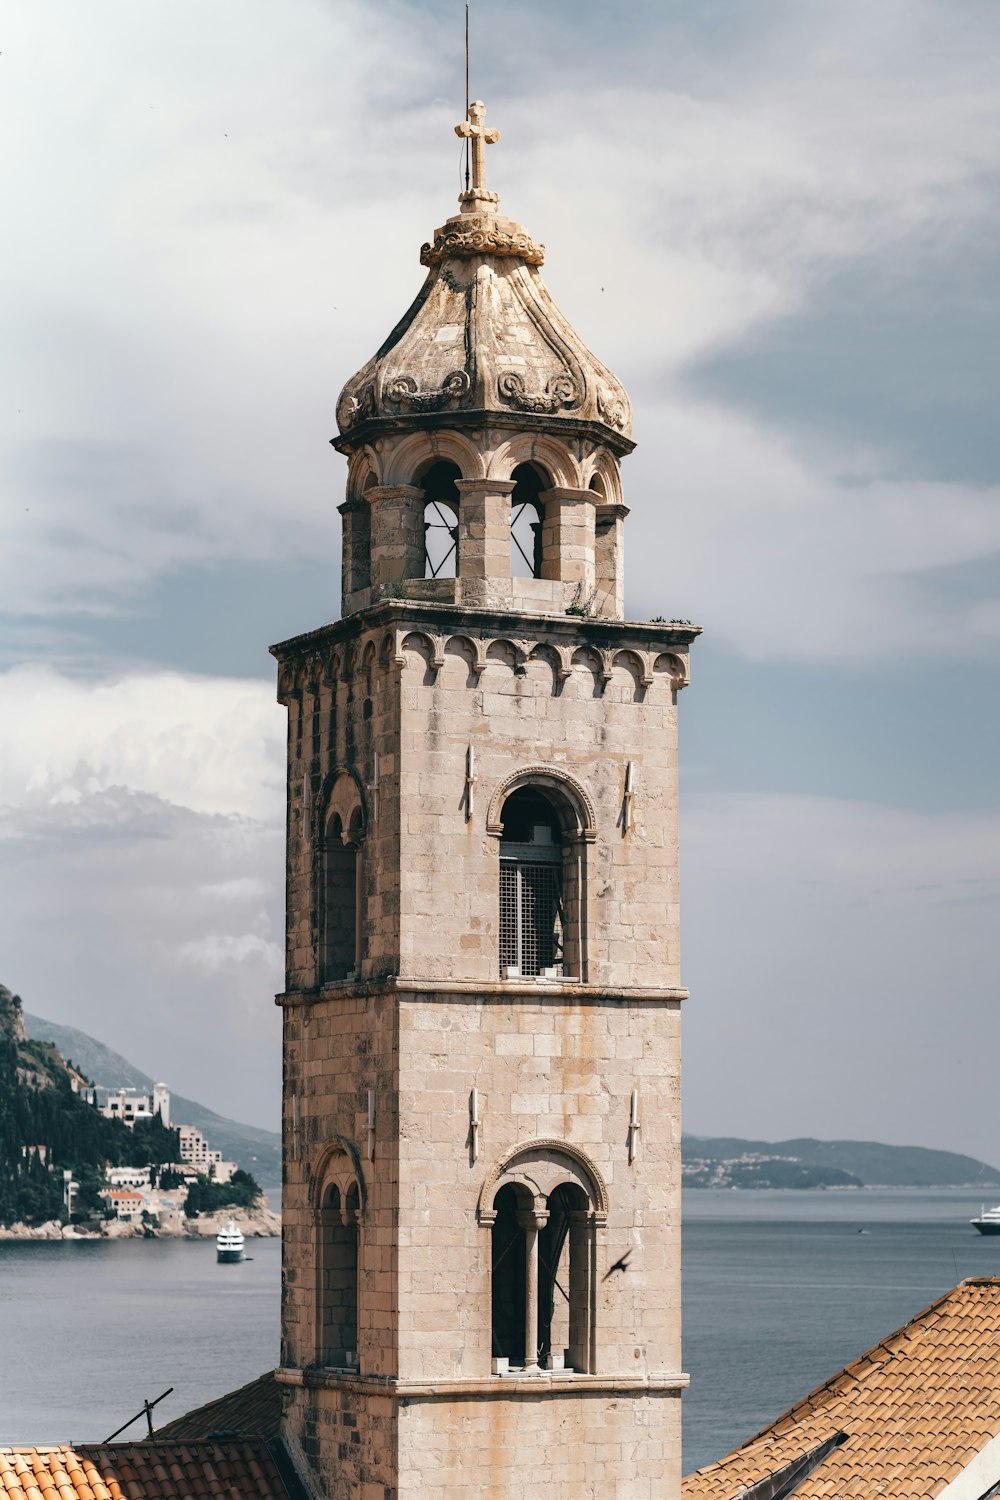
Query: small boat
(229, 1244)
(988, 1221)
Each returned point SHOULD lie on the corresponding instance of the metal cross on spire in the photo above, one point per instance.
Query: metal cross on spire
(481, 135)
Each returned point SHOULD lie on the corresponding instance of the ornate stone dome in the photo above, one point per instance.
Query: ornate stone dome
(483, 337)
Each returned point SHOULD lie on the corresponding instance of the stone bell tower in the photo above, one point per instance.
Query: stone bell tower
(481, 1015)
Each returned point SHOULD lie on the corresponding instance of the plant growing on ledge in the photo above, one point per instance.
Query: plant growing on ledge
(583, 603)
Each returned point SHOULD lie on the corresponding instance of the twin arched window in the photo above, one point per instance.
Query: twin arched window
(341, 926)
(542, 1210)
(338, 1223)
(441, 508)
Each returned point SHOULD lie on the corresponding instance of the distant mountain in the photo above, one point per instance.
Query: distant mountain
(729, 1161)
(257, 1151)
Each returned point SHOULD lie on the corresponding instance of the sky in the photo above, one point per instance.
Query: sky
(778, 223)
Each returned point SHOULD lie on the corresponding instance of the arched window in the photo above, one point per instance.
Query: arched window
(526, 522)
(337, 1272)
(542, 1211)
(341, 914)
(441, 501)
(532, 915)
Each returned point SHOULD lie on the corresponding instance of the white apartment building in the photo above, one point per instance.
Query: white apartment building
(130, 1105)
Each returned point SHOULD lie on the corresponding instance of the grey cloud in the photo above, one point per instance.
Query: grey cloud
(105, 927)
(896, 350)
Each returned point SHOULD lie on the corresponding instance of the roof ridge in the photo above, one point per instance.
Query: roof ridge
(854, 1367)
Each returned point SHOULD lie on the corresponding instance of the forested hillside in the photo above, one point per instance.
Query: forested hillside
(254, 1148)
(47, 1127)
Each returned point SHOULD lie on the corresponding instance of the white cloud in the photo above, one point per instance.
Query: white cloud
(205, 249)
(212, 745)
(217, 949)
(779, 559)
(132, 812)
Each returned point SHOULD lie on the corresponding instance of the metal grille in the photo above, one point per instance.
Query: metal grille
(531, 920)
(440, 541)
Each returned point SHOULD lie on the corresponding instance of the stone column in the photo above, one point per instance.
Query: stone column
(355, 563)
(580, 1277)
(484, 528)
(610, 555)
(531, 1222)
(397, 532)
(568, 541)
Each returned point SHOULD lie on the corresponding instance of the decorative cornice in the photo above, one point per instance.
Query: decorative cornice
(555, 1383)
(481, 240)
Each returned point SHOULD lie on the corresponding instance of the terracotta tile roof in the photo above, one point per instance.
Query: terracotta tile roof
(252, 1411)
(240, 1470)
(912, 1412)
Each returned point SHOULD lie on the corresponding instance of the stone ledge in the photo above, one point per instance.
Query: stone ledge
(555, 1383)
(500, 990)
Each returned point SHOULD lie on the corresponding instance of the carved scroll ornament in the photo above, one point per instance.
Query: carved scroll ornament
(402, 390)
(559, 392)
(481, 241)
(612, 409)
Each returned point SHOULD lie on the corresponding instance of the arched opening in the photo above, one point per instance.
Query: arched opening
(564, 1280)
(341, 899)
(338, 1278)
(542, 887)
(508, 1264)
(542, 1211)
(441, 502)
(526, 516)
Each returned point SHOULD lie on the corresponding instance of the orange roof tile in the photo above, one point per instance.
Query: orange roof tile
(914, 1410)
(243, 1468)
(253, 1410)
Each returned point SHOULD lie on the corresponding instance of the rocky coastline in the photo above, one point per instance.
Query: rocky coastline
(257, 1223)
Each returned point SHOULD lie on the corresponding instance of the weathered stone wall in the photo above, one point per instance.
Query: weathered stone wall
(520, 1446)
(335, 1051)
(546, 1068)
(344, 1442)
(400, 704)
(394, 700)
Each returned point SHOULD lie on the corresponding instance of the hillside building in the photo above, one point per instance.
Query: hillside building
(129, 1105)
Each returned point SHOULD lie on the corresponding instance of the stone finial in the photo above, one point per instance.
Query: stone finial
(481, 135)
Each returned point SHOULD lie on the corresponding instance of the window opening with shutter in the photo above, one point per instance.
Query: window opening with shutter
(532, 921)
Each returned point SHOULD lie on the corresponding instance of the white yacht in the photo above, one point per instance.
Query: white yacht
(988, 1221)
(229, 1243)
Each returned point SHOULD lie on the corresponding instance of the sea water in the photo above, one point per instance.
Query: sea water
(780, 1291)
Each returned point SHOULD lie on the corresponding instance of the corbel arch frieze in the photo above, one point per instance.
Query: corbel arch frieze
(675, 666)
(332, 665)
(638, 662)
(430, 649)
(288, 690)
(539, 1167)
(570, 791)
(472, 648)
